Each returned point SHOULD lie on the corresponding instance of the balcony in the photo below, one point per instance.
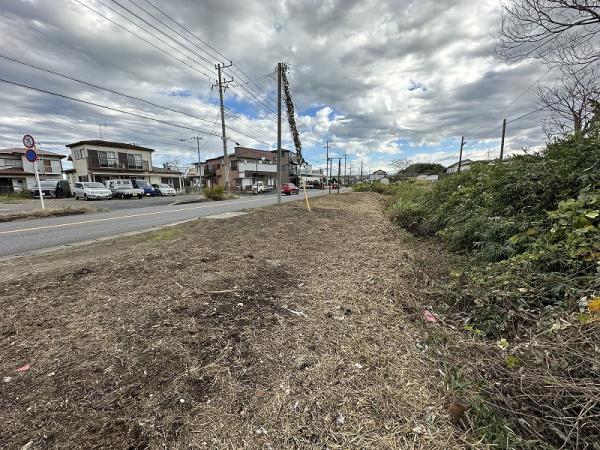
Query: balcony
(114, 164)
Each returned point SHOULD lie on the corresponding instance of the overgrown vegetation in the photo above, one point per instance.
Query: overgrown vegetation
(15, 197)
(214, 193)
(528, 290)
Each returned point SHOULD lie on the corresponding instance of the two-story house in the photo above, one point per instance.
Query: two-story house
(249, 165)
(17, 174)
(101, 161)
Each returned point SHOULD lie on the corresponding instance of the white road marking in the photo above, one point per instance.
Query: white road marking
(60, 225)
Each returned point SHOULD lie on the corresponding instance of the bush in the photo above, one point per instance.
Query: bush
(214, 193)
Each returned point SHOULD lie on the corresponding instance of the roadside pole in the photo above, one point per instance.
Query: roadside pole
(37, 180)
(330, 167)
(339, 173)
(279, 133)
(32, 156)
(327, 161)
(462, 144)
(503, 136)
(222, 82)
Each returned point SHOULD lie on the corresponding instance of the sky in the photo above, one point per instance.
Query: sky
(381, 80)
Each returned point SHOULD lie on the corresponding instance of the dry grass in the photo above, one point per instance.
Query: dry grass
(276, 329)
(48, 212)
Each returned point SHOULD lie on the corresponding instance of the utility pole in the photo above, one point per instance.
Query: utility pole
(339, 173)
(462, 144)
(279, 68)
(330, 167)
(345, 173)
(197, 138)
(503, 135)
(361, 171)
(327, 160)
(222, 84)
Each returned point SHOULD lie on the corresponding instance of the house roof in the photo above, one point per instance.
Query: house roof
(464, 161)
(21, 151)
(100, 143)
(380, 172)
(166, 171)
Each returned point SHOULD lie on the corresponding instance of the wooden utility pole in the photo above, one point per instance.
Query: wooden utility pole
(462, 144)
(503, 136)
(279, 68)
(222, 84)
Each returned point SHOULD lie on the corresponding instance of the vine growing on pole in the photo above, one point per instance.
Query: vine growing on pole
(290, 112)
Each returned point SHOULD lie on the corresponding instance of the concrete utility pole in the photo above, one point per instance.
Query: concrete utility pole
(330, 169)
(222, 84)
(279, 68)
(462, 144)
(503, 136)
(339, 173)
(327, 162)
(345, 173)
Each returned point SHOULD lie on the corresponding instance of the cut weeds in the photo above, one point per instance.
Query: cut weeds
(276, 329)
(48, 212)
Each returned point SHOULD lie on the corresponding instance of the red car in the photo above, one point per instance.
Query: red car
(289, 189)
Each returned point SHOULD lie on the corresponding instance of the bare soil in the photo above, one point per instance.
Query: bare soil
(276, 329)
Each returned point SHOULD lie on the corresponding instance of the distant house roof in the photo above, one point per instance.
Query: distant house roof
(380, 172)
(100, 143)
(165, 171)
(464, 161)
(21, 151)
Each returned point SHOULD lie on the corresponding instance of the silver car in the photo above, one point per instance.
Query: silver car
(91, 191)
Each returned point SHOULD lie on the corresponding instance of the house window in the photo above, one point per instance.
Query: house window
(47, 165)
(11, 162)
(107, 159)
(134, 161)
(234, 165)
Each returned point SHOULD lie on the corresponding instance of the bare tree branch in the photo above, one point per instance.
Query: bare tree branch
(556, 31)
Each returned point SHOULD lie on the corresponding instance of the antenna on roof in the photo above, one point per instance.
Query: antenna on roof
(100, 125)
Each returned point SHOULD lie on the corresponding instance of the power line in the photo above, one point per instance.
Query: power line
(131, 97)
(142, 38)
(110, 108)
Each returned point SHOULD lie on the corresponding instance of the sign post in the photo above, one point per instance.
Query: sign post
(32, 156)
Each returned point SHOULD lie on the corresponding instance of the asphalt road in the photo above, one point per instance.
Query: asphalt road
(30, 235)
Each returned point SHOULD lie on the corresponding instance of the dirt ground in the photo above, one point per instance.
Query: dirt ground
(276, 329)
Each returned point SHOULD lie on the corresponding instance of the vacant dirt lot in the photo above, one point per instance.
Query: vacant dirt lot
(277, 329)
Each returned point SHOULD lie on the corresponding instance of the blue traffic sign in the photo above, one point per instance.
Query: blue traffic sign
(31, 155)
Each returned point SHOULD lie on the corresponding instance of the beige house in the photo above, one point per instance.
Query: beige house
(102, 161)
(18, 174)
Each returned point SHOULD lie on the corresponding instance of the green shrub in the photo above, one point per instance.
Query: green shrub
(214, 193)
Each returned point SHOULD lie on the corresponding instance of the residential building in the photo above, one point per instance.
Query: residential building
(378, 175)
(248, 165)
(101, 161)
(465, 165)
(17, 174)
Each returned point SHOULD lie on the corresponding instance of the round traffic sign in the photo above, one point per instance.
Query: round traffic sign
(28, 141)
(31, 155)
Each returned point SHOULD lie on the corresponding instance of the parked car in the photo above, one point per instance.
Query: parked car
(289, 189)
(164, 189)
(91, 191)
(147, 187)
(123, 189)
(48, 189)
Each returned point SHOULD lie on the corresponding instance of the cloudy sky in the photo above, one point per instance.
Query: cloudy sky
(380, 79)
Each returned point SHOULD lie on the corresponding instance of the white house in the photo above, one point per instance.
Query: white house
(378, 175)
(17, 174)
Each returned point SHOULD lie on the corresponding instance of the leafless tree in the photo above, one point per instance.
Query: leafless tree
(401, 164)
(557, 31)
(570, 102)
